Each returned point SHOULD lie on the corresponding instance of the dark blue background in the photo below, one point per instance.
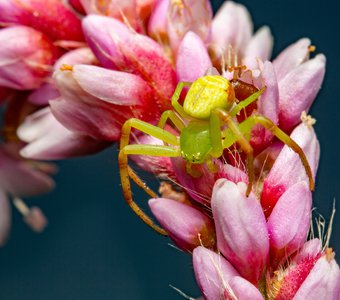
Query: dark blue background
(95, 248)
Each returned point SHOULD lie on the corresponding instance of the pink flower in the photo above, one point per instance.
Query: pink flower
(218, 279)
(52, 17)
(21, 178)
(32, 57)
(311, 273)
(187, 226)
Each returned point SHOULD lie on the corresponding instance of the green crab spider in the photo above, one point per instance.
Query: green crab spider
(206, 123)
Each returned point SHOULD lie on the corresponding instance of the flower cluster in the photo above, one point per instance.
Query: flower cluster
(87, 66)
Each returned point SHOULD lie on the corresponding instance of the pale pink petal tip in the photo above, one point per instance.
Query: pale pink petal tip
(293, 56)
(192, 58)
(187, 226)
(259, 47)
(212, 273)
(287, 228)
(194, 16)
(298, 89)
(323, 281)
(244, 290)
(231, 27)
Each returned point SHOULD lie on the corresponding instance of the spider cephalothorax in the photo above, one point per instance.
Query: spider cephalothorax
(207, 124)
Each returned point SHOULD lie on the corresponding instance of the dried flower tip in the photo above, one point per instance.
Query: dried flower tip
(33, 217)
(36, 219)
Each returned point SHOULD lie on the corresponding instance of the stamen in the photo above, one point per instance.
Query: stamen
(311, 48)
(308, 120)
(178, 3)
(65, 67)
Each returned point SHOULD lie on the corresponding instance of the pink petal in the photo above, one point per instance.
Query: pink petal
(51, 17)
(194, 15)
(289, 222)
(125, 11)
(77, 6)
(81, 112)
(159, 165)
(212, 273)
(200, 188)
(241, 228)
(187, 226)
(293, 56)
(298, 90)
(323, 282)
(231, 27)
(288, 169)
(117, 46)
(157, 25)
(5, 217)
(260, 47)
(244, 290)
(112, 86)
(192, 58)
(311, 248)
(31, 58)
(48, 139)
(268, 106)
(74, 57)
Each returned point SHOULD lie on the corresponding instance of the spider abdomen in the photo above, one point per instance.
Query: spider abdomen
(206, 94)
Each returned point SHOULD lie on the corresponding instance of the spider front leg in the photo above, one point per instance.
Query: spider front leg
(175, 97)
(247, 125)
(150, 150)
(171, 115)
(218, 118)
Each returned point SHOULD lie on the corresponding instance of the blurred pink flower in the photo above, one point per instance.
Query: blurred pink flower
(52, 17)
(21, 178)
(32, 57)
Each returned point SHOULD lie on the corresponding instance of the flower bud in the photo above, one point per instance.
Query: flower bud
(116, 97)
(47, 139)
(118, 47)
(289, 222)
(298, 90)
(27, 52)
(259, 47)
(189, 15)
(293, 56)
(241, 228)
(186, 226)
(288, 169)
(231, 29)
(323, 281)
(192, 58)
(212, 273)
